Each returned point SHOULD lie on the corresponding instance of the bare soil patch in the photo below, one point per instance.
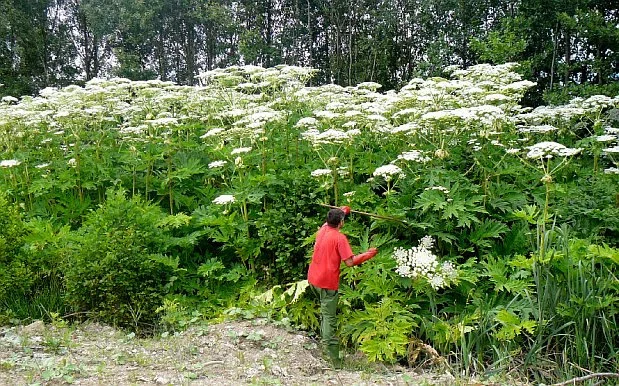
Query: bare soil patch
(231, 353)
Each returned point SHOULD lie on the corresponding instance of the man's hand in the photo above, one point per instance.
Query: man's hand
(345, 209)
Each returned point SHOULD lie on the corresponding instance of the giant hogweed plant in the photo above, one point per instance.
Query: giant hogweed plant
(438, 154)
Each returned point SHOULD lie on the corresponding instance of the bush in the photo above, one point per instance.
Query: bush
(115, 268)
(14, 275)
(30, 254)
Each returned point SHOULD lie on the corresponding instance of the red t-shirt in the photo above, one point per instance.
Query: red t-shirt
(330, 249)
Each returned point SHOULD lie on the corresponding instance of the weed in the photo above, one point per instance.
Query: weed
(6, 365)
(255, 336)
(63, 371)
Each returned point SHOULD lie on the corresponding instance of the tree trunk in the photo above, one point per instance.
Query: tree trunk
(567, 58)
(269, 34)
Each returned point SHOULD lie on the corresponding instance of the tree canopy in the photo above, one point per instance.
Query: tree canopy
(573, 44)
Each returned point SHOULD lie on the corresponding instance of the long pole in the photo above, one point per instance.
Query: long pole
(368, 214)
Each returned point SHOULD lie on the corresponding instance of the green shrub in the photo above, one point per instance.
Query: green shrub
(115, 269)
(14, 274)
(30, 255)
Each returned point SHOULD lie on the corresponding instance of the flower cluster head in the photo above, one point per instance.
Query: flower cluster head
(421, 263)
(440, 189)
(611, 171)
(9, 99)
(415, 156)
(224, 199)
(426, 242)
(213, 132)
(537, 129)
(308, 122)
(388, 172)
(240, 150)
(9, 163)
(216, 164)
(330, 136)
(321, 172)
(550, 149)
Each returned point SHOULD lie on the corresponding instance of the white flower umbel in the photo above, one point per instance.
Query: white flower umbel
(388, 172)
(611, 171)
(390, 175)
(321, 172)
(549, 149)
(537, 129)
(426, 242)
(9, 163)
(9, 99)
(415, 262)
(330, 136)
(611, 150)
(436, 281)
(421, 263)
(224, 199)
(439, 188)
(240, 150)
(216, 164)
(213, 132)
(414, 156)
(307, 122)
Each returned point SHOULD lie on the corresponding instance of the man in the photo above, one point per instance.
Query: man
(330, 250)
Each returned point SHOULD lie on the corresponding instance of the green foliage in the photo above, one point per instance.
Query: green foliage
(512, 325)
(507, 276)
(30, 259)
(177, 317)
(505, 45)
(296, 305)
(561, 95)
(115, 269)
(577, 295)
(527, 306)
(234, 165)
(382, 330)
(592, 209)
(14, 274)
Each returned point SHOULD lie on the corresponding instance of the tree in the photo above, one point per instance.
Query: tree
(36, 50)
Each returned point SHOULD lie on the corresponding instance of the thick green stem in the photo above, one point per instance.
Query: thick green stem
(28, 188)
(80, 191)
(170, 185)
(543, 225)
(146, 182)
(335, 190)
(244, 213)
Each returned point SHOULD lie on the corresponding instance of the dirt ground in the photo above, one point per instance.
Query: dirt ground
(232, 353)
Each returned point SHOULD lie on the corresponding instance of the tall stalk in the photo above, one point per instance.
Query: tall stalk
(170, 192)
(335, 187)
(542, 242)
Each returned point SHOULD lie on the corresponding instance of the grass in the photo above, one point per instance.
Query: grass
(45, 300)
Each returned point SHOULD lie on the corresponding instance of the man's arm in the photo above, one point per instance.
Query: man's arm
(360, 258)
